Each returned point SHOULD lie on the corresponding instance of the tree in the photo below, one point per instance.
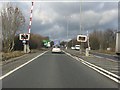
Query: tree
(12, 20)
(94, 40)
(109, 39)
(36, 41)
(102, 39)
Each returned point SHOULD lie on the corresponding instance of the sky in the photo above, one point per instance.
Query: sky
(52, 18)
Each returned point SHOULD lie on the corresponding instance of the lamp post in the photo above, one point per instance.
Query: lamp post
(67, 29)
(80, 25)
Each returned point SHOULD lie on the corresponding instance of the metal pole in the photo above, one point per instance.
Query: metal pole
(25, 48)
(72, 42)
(67, 32)
(88, 40)
(80, 28)
(80, 17)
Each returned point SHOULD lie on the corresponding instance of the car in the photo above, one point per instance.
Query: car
(73, 48)
(77, 47)
(56, 49)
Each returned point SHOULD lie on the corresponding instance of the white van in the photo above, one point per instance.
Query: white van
(77, 47)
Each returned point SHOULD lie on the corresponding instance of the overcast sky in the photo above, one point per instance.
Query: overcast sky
(51, 18)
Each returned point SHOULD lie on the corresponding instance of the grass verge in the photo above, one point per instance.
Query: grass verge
(6, 56)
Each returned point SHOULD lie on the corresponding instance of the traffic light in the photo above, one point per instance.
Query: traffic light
(82, 38)
(24, 36)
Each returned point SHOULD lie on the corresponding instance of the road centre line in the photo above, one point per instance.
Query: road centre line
(10, 72)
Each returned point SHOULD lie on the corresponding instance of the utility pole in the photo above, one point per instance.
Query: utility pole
(67, 33)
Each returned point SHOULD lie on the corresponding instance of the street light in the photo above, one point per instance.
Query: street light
(67, 28)
(80, 25)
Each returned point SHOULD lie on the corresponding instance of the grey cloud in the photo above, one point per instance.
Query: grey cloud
(92, 11)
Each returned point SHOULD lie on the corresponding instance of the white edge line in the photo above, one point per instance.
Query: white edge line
(86, 63)
(21, 66)
(114, 79)
(101, 69)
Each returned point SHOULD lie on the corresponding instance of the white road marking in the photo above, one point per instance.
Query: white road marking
(111, 60)
(7, 74)
(114, 71)
(114, 79)
(99, 69)
(98, 56)
(105, 58)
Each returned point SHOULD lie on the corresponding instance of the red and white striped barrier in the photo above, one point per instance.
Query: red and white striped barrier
(29, 28)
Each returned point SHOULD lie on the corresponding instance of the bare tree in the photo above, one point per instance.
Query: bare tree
(102, 39)
(12, 20)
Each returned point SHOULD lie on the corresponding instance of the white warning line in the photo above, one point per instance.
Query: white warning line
(102, 71)
(105, 58)
(98, 56)
(111, 60)
(7, 74)
(115, 71)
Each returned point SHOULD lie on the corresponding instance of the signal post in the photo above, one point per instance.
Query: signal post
(25, 37)
(82, 39)
(25, 40)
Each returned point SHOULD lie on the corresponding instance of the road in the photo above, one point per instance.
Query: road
(57, 71)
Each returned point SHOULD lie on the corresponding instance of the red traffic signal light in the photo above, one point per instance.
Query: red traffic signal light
(24, 36)
(82, 38)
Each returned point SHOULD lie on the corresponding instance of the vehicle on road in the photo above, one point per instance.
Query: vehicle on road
(73, 48)
(56, 49)
(118, 43)
(77, 47)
